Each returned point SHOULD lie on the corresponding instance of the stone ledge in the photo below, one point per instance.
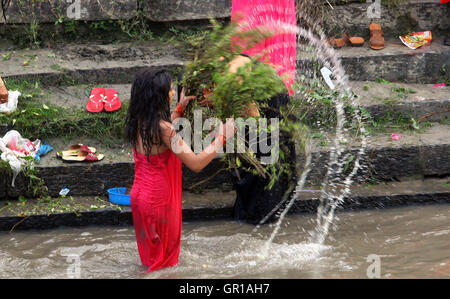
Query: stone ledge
(412, 15)
(114, 75)
(389, 163)
(176, 10)
(35, 215)
(99, 218)
(50, 11)
(412, 67)
(416, 154)
(379, 99)
(438, 110)
(405, 100)
(350, 16)
(92, 63)
(365, 202)
(389, 195)
(394, 63)
(97, 179)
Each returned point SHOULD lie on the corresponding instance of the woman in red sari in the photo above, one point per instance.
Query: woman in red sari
(158, 154)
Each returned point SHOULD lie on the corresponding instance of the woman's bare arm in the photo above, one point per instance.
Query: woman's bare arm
(195, 162)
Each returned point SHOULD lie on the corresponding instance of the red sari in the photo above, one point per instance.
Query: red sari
(280, 17)
(156, 208)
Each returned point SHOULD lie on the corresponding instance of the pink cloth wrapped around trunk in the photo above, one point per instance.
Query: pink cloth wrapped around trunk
(278, 15)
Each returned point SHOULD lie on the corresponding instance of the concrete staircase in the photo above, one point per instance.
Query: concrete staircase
(112, 70)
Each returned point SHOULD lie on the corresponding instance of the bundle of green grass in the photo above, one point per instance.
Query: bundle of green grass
(233, 92)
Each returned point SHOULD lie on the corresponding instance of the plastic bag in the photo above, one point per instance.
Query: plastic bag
(44, 150)
(417, 39)
(14, 163)
(14, 147)
(11, 105)
(15, 142)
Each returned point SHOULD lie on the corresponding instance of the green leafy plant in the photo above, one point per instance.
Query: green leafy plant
(233, 92)
(255, 82)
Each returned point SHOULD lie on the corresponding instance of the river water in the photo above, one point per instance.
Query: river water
(411, 242)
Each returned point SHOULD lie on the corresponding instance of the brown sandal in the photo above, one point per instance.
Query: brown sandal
(336, 43)
(82, 156)
(353, 41)
(376, 37)
(74, 150)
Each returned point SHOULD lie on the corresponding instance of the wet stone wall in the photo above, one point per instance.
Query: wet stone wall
(181, 10)
(354, 16)
(405, 17)
(50, 11)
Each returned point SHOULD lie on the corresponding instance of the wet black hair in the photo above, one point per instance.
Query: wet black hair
(179, 86)
(149, 105)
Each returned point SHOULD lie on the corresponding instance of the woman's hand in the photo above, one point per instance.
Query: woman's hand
(185, 100)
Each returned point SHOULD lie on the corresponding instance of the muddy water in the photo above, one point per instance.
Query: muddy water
(412, 242)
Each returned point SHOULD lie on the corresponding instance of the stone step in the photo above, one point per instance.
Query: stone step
(116, 169)
(355, 16)
(187, 10)
(29, 11)
(118, 63)
(383, 195)
(26, 12)
(418, 101)
(79, 211)
(421, 153)
(89, 64)
(396, 62)
(77, 96)
(380, 99)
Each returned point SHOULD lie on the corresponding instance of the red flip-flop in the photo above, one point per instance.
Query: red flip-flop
(96, 99)
(112, 101)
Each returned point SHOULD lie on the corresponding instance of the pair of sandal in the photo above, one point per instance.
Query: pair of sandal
(102, 98)
(79, 153)
(376, 39)
(345, 40)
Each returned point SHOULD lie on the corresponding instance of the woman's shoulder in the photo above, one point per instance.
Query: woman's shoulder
(167, 129)
(165, 125)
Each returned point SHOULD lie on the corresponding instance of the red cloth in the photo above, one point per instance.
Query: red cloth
(156, 208)
(276, 15)
(445, 1)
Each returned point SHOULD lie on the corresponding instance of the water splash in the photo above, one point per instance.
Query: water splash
(218, 256)
(336, 183)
